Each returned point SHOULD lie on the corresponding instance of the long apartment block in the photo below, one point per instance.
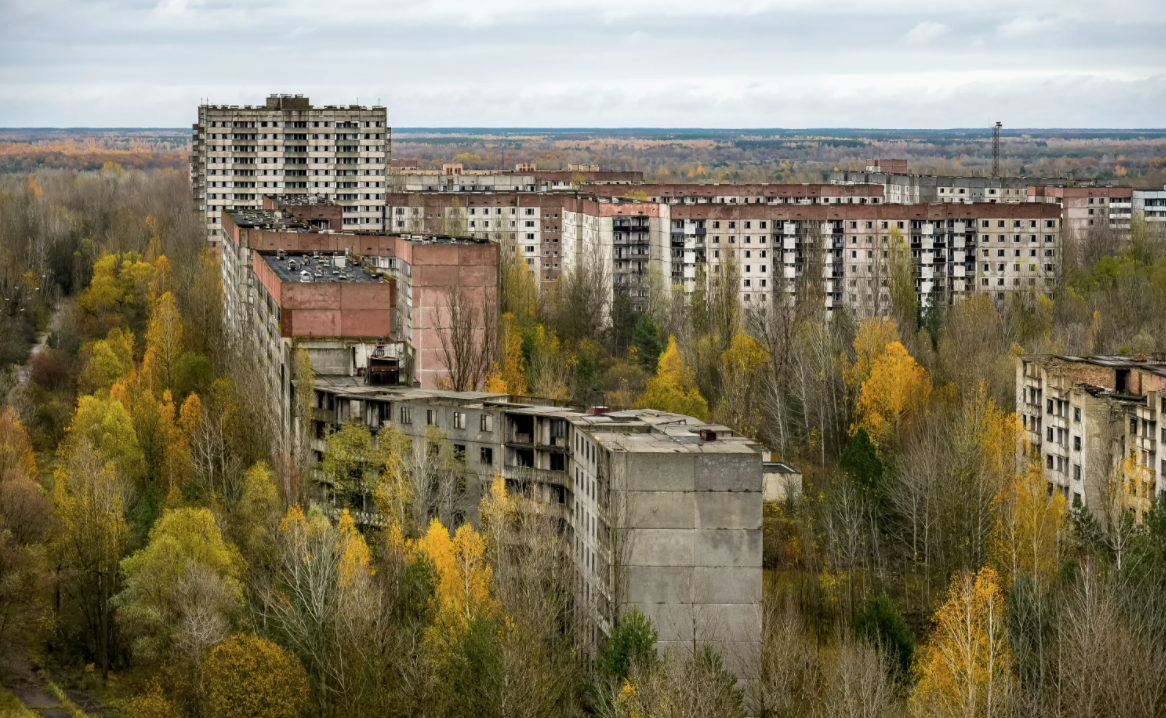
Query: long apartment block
(1098, 424)
(957, 250)
(289, 147)
(660, 511)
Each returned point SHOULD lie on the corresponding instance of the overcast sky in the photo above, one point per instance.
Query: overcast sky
(599, 63)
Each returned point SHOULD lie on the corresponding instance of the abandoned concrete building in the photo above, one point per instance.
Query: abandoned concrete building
(662, 511)
(287, 146)
(358, 303)
(1097, 424)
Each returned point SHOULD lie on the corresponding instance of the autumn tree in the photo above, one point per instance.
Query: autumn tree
(673, 389)
(1029, 524)
(182, 591)
(89, 499)
(508, 374)
(740, 404)
(463, 580)
(108, 427)
(163, 343)
(324, 601)
(250, 677)
(966, 668)
(109, 361)
(896, 389)
(350, 463)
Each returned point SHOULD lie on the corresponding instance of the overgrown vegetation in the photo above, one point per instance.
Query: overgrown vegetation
(155, 549)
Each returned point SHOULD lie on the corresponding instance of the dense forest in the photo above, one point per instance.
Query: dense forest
(159, 557)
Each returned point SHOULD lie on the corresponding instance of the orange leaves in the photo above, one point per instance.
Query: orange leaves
(897, 387)
(354, 559)
(463, 578)
(966, 669)
(870, 343)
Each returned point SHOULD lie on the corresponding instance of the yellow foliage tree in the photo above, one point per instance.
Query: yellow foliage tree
(897, 386)
(1029, 524)
(510, 376)
(870, 343)
(119, 280)
(463, 579)
(355, 559)
(163, 343)
(249, 677)
(673, 389)
(177, 465)
(156, 607)
(966, 669)
(110, 361)
(740, 404)
(108, 426)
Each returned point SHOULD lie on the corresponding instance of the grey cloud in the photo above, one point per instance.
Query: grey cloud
(733, 63)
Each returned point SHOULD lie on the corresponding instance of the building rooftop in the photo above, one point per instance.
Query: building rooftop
(318, 268)
(1149, 363)
(633, 430)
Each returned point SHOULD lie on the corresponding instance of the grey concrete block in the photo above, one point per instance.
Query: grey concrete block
(722, 584)
(728, 621)
(728, 547)
(660, 547)
(728, 510)
(661, 472)
(728, 472)
(672, 621)
(661, 510)
(659, 584)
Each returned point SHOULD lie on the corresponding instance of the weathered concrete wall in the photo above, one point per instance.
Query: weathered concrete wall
(692, 548)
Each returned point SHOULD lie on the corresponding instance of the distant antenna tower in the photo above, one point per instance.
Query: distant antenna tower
(996, 150)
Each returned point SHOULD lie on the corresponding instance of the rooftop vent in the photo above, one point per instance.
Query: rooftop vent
(708, 435)
(598, 410)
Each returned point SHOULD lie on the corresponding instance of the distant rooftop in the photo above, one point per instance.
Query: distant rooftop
(306, 268)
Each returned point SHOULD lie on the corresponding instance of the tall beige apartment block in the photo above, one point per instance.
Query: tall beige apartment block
(287, 147)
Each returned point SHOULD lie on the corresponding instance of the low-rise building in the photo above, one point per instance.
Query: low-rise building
(1097, 425)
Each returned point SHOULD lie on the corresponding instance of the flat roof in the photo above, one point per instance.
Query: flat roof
(632, 430)
(321, 269)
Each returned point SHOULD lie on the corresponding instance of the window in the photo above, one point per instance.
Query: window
(459, 420)
(459, 452)
(406, 415)
(486, 456)
(486, 422)
(1076, 443)
(431, 417)
(1076, 473)
(1077, 414)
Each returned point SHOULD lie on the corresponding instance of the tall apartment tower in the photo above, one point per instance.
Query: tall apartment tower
(287, 146)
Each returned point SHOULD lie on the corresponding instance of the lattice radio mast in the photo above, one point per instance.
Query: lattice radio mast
(996, 150)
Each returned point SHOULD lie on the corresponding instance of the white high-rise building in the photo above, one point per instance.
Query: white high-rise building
(287, 146)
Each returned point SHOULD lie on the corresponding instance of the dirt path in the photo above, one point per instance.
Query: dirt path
(24, 373)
